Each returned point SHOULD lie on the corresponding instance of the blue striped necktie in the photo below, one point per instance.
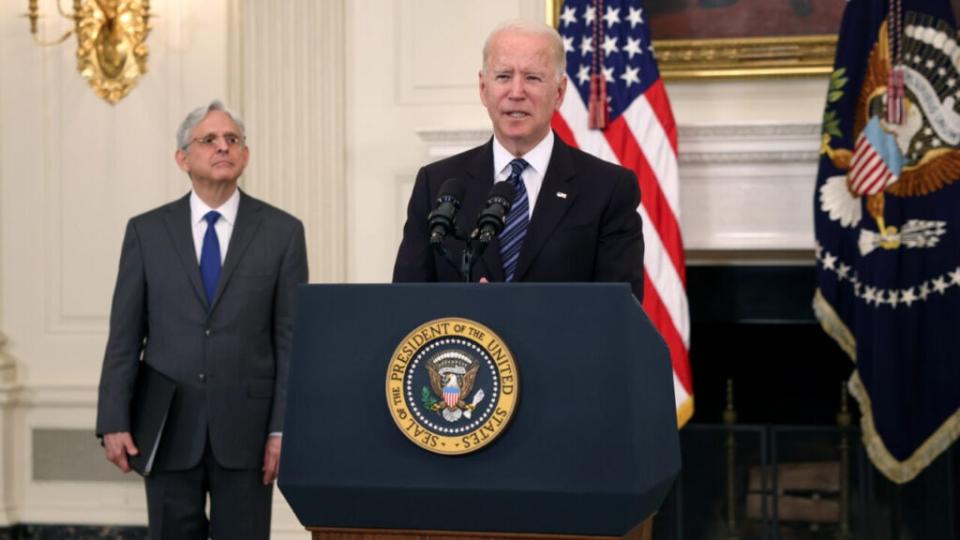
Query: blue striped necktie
(210, 256)
(515, 229)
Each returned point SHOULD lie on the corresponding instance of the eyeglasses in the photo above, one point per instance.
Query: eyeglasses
(212, 141)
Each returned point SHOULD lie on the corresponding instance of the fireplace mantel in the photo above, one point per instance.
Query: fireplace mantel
(746, 190)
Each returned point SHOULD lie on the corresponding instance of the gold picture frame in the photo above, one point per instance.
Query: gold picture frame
(748, 57)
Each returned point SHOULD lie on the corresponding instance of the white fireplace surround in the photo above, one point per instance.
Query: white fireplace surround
(746, 190)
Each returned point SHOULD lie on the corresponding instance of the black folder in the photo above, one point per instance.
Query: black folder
(152, 398)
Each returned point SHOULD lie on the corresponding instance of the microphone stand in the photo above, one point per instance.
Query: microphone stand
(476, 245)
(466, 259)
(472, 251)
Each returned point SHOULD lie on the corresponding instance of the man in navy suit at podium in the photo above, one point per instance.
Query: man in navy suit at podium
(574, 216)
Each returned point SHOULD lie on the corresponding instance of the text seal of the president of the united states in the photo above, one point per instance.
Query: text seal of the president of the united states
(452, 386)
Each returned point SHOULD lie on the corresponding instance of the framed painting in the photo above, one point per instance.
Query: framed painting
(740, 38)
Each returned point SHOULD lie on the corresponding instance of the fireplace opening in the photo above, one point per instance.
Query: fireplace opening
(773, 449)
(755, 326)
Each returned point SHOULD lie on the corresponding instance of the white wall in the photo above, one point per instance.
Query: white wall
(345, 100)
(73, 169)
(412, 65)
(748, 156)
(754, 101)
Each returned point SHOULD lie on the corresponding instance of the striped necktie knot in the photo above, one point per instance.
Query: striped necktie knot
(517, 167)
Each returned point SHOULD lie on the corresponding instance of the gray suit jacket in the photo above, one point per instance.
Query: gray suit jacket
(229, 358)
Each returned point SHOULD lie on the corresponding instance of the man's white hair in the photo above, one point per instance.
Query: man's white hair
(536, 28)
(197, 115)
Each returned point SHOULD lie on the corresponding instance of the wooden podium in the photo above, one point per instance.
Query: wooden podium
(643, 531)
(591, 451)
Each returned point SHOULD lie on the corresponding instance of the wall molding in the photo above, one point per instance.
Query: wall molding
(739, 184)
(11, 396)
(748, 144)
(56, 395)
(8, 366)
(748, 131)
(411, 89)
(699, 144)
(68, 406)
(441, 143)
(447, 136)
(746, 158)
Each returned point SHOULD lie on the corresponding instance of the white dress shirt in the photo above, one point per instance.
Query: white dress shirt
(537, 158)
(224, 225)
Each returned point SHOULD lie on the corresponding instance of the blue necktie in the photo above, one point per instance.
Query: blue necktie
(210, 256)
(511, 238)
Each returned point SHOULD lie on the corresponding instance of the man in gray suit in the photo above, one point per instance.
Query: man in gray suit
(205, 295)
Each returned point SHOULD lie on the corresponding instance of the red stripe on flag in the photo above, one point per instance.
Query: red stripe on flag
(563, 130)
(656, 96)
(627, 150)
(879, 184)
(875, 176)
(857, 151)
(866, 167)
(679, 356)
(630, 156)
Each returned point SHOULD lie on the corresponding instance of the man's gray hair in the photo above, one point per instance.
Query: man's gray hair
(197, 115)
(537, 28)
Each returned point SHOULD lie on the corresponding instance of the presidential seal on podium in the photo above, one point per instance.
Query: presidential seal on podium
(452, 386)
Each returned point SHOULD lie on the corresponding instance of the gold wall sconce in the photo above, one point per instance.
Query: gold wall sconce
(111, 42)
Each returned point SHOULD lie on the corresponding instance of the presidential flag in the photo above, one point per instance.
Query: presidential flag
(616, 108)
(887, 217)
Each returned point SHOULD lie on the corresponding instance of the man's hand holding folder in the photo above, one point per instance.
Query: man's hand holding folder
(152, 398)
(119, 446)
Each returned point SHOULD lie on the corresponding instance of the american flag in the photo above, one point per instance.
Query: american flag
(616, 108)
(876, 160)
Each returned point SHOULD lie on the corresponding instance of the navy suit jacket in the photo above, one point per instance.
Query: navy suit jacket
(228, 357)
(585, 226)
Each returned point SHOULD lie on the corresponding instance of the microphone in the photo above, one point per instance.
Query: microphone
(492, 219)
(440, 220)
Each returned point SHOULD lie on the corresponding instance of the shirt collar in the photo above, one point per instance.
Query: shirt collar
(537, 158)
(228, 210)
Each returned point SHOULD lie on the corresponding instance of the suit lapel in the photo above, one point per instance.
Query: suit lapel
(248, 221)
(177, 221)
(480, 170)
(550, 207)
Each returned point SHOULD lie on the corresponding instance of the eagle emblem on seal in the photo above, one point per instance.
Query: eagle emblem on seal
(452, 386)
(908, 136)
(452, 377)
